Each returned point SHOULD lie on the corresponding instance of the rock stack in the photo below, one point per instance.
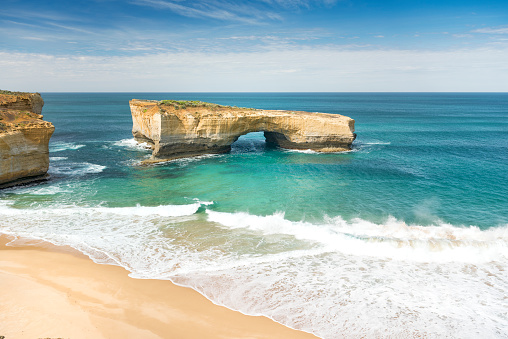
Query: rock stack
(24, 139)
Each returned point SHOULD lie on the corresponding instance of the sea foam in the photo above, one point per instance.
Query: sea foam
(132, 144)
(164, 211)
(49, 190)
(75, 168)
(57, 158)
(63, 146)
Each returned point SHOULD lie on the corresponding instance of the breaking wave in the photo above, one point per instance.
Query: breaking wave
(63, 146)
(394, 239)
(133, 144)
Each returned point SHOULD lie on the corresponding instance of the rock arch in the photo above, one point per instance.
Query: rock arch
(178, 129)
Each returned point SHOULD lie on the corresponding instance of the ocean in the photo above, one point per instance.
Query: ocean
(404, 236)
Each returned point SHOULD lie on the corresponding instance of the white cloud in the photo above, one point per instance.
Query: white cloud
(33, 38)
(462, 35)
(301, 3)
(492, 30)
(291, 69)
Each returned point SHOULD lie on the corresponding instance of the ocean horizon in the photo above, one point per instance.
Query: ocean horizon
(404, 235)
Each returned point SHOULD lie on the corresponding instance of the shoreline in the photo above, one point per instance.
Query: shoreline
(57, 292)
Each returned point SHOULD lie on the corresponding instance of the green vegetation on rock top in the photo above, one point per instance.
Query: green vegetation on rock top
(2, 91)
(189, 103)
(183, 104)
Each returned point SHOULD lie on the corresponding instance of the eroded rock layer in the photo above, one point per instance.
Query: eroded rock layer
(178, 129)
(24, 138)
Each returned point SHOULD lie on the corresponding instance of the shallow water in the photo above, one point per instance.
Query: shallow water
(405, 235)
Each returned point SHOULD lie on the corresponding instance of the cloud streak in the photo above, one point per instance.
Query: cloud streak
(492, 30)
(301, 3)
(213, 9)
(70, 28)
(318, 69)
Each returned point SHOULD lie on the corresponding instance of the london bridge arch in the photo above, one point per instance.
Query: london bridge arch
(177, 129)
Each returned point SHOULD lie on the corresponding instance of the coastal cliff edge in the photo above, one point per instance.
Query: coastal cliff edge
(24, 138)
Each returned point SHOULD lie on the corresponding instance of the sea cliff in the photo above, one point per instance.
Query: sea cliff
(178, 129)
(24, 138)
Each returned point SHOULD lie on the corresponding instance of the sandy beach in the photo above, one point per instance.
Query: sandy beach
(56, 292)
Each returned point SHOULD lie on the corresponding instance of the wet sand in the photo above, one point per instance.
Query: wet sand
(57, 292)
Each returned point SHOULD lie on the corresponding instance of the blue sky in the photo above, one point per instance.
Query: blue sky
(263, 45)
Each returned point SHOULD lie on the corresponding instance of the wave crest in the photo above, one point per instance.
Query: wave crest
(393, 239)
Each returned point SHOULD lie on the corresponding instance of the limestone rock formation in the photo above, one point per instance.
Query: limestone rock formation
(24, 138)
(178, 129)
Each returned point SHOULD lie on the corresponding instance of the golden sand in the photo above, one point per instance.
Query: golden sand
(56, 292)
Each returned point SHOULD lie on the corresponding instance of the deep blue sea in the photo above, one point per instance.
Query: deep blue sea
(404, 236)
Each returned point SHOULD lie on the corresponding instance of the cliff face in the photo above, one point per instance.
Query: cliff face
(24, 138)
(187, 128)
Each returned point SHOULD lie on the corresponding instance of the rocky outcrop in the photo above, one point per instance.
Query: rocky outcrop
(178, 129)
(24, 138)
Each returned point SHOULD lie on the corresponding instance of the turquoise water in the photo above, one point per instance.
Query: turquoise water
(405, 235)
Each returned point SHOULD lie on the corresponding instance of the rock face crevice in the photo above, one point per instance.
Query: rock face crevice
(24, 139)
(178, 129)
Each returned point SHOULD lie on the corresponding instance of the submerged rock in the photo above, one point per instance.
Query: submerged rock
(177, 129)
(24, 138)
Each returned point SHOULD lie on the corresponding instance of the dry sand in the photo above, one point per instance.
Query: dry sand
(56, 292)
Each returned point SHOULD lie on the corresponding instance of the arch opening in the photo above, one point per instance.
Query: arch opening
(253, 142)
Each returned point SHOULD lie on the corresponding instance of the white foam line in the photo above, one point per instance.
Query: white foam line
(303, 151)
(230, 307)
(162, 210)
(62, 146)
(48, 190)
(185, 161)
(249, 261)
(132, 144)
(77, 169)
(375, 143)
(394, 239)
(82, 247)
(309, 151)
